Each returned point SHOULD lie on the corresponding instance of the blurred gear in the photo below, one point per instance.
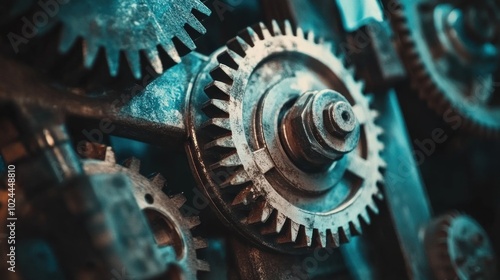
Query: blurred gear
(132, 26)
(459, 248)
(284, 141)
(172, 230)
(451, 52)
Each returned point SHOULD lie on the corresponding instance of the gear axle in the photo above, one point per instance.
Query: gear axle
(319, 129)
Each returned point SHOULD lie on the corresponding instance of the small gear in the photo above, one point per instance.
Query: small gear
(451, 53)
(172, 230)
(459, 248)
(286, 191)
(132, 27)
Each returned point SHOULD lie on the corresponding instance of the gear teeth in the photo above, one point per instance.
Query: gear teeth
(218, 90)
(239, 177)
(383, 163)
(163, 23)
(158, 180)
(223, 73)
(250, 36)
(202, 265)
(373, 207)
(364, 217)
(264, 30)
(184, 37)
(355, 228)
(276, 28)
(319, 239)
(90, 52)
(113, 59)
(110, 155)
(260, 213)
(332, 238)
(228, 161)
(310, 36)
(133, 164)
(217, 126)
(379, 146)
(239, 46)
(256, 208)
(192, 222)
(202, 8)
(361, 85)
(328, 46)
(378, 131)
(276, 223)
(244, 197)
(343, 236)
(154, 60)
(289, 232)
(168, 206)
(67, 40)
(216, 108)
(300, 33)
(229, 58)
(194, 23)
(288, 28)
(379, 195)
(304, 237)
(374, 114)
(134, 62)
(172, 51)
(225, 142)
(429, 86)
(351, 70)
(199, 243)
(178, 200)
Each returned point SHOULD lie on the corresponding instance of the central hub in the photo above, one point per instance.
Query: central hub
(340, 119)
(318, 129)
(469, 34)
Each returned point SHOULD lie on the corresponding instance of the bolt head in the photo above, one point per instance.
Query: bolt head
(340, 119)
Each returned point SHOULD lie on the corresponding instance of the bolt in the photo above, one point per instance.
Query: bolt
(319, 128)
(340, 119)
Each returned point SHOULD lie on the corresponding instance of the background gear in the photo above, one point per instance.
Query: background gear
(238, 155)
(451, 70)
(459, 248)
(172, 230)
(133, 27)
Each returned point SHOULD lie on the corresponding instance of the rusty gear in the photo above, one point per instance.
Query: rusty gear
(172, 230)
(237, 150)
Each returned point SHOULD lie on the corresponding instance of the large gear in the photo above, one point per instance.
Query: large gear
(451, 54)
(459, 248)
(132, 27)
(172, 230)
(264, 185)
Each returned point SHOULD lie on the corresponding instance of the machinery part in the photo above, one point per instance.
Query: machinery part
(357, 13)
(459, 248)
(283, 140)
(172, 230)
(145, 107)
(102, 226)
(36, 139)
(451, 53)
(132, 26)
